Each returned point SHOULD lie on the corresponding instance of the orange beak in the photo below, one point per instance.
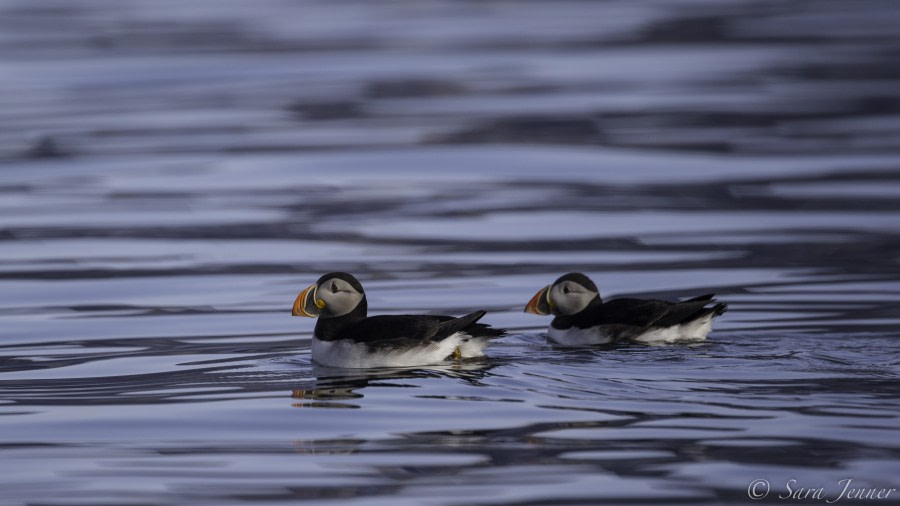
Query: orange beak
(540, 303)
(305, 304)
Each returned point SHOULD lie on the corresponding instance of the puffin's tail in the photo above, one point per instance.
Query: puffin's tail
(469, 324)
(719, 309)
(709, 312)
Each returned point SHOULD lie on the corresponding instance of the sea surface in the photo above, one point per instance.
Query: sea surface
(173, 174)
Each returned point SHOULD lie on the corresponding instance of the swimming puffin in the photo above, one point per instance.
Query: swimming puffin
(346, 337)
(582, 318)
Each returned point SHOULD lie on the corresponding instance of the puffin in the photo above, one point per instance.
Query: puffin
(581, 317)
(345, 336)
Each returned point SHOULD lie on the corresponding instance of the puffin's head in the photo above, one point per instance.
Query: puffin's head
(334, 294)
(567, 295)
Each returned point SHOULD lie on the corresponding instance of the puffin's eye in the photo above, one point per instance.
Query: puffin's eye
(334, 288)
(566, 289)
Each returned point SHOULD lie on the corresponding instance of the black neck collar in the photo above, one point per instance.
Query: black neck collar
(329, 328)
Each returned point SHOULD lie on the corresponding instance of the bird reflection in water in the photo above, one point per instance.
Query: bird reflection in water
(333, 385)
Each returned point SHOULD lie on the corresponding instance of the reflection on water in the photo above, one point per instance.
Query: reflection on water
(174, 173)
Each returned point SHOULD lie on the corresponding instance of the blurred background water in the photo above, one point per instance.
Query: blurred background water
(173, 173)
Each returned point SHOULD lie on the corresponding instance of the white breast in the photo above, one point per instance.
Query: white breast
(352, 355)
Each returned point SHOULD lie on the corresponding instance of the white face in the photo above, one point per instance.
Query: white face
(568, 298)
(338, 296)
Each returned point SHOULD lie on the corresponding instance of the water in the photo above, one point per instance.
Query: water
(172, 174)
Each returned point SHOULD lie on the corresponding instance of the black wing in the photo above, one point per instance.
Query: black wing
(646, 312)
(393, 330)
(414, 330)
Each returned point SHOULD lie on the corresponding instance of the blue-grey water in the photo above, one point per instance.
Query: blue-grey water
(173, 173)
